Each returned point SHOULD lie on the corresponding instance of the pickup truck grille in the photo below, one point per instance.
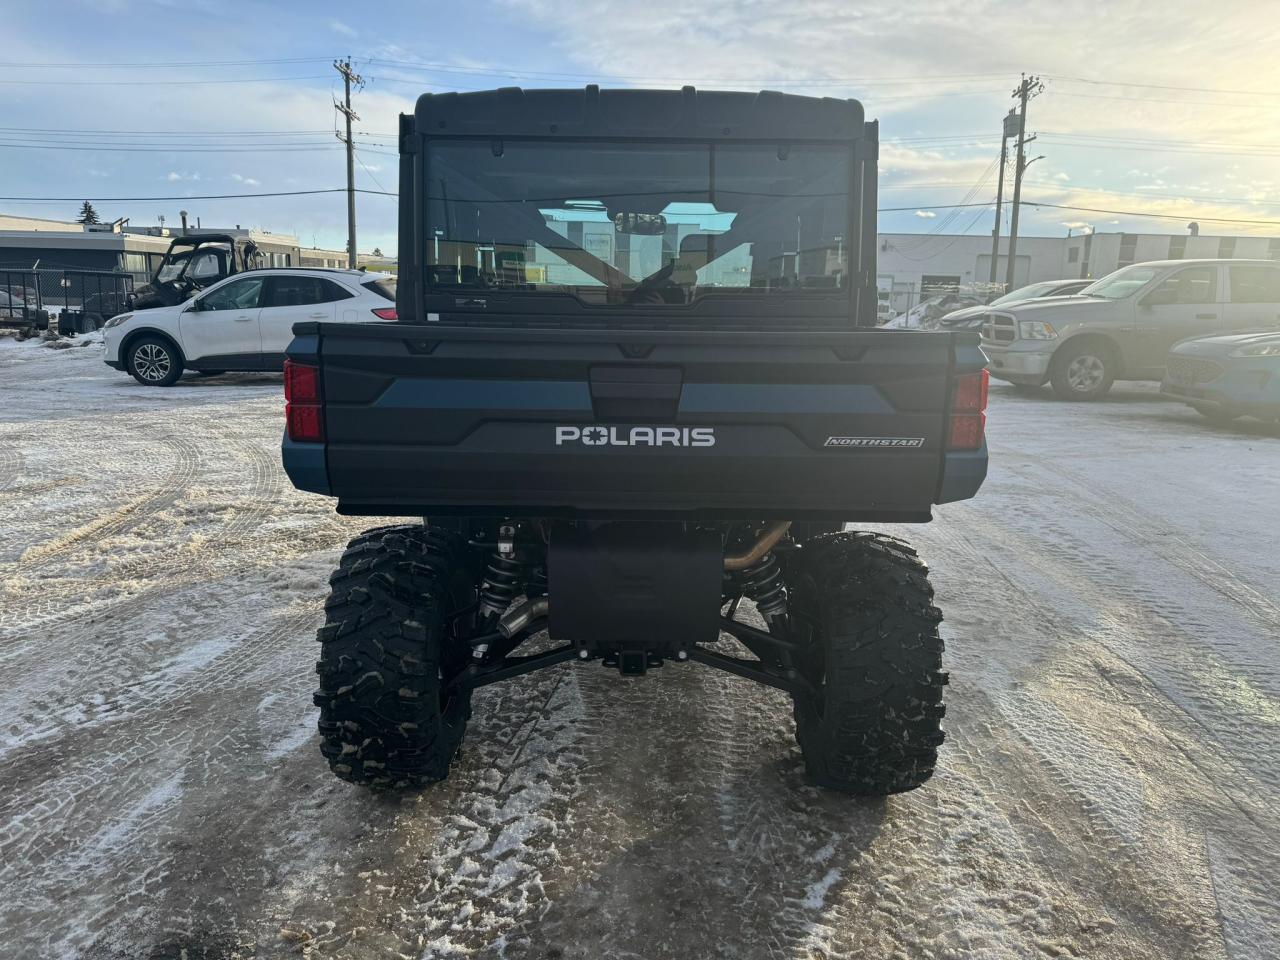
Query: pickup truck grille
(998, 328)
(1193, 370)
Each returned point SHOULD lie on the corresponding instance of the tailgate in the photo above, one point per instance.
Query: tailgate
(423, 419)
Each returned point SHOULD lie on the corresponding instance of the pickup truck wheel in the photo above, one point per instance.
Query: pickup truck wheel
(154, 362)
(1083, 372)
(388, 717)
(862, 609)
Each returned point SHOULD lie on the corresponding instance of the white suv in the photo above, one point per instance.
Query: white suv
(242, 323)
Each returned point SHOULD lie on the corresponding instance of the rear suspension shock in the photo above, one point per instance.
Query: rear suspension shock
(505, 575)
(762, 582)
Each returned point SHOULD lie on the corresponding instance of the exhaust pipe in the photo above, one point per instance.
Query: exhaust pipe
(519, 617)
(772, 534)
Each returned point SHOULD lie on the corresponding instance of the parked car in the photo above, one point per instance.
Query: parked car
(970, 318)
(1123, 326)
(925, 314)
(242, 323)
(1227, 376)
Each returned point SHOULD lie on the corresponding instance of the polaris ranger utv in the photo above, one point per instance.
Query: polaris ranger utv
(628, 388)
(193, 262)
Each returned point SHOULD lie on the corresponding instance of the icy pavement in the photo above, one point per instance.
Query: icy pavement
(1109, 788)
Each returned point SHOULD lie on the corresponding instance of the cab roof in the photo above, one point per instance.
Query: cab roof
(685, 114)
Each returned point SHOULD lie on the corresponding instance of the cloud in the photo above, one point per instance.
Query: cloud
(247, 181)
(174, 176)
(337, 26)
(925, 214)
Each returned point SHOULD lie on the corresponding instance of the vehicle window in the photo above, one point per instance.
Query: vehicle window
(335, 291)
(243, 294)
(384, 287)
(653, 223)
(1123, 283)
(300, 291)
(1193, 285)
(204, 265)
(1028, 292)
(1254, 284)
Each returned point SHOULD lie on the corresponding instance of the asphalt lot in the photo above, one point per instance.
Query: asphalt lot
(1108, 788)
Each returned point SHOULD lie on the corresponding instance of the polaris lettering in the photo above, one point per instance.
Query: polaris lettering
(637, 436)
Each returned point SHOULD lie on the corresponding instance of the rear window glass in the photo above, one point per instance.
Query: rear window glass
(384, 287)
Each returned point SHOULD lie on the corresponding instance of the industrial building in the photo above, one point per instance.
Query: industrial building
(913, 265)
(28, 243)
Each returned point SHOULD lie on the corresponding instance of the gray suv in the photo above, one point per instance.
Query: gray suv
(1122, 326)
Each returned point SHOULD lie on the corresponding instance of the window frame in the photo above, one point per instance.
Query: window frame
(335, 291)
(1271, 271)
(1215, 280)
(237, 280)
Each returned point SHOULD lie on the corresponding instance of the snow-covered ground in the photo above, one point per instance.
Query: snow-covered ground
(1109, 788)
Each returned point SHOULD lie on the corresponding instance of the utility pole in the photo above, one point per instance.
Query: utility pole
(1029, 87)
(995, 230)
(344, 108)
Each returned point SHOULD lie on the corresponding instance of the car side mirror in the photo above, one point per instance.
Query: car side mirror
(196, 306)
(1160, 297)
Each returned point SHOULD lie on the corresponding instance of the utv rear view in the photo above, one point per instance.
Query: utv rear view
(632, 385)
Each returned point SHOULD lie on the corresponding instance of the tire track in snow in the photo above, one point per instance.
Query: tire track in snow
(185, 458)
(163, 742)
(1135, 524)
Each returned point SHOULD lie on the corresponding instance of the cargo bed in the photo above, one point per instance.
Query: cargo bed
(439, 419)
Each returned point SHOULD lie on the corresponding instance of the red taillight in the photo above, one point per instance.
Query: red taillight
(303, 412)
(967, 431)
(970, 394)
(385, 313)
(305, 422)
(968, 424)
(301, 382)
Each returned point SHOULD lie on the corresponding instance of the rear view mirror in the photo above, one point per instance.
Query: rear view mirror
(640, 224)
(1160, 297)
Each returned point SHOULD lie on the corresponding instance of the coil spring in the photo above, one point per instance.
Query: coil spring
(762, 582)
(503, 580)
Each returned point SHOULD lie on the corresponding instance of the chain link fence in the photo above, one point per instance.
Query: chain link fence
(72, 301)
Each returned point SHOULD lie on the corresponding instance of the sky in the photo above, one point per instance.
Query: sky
(1147, 109)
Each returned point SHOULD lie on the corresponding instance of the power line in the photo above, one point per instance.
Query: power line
(370, 172)
(390, 193)
(81, 132)
(956, 239)
(430, 67)
(210, 196)
(152, 83)
(1163, 86)
(80, 64)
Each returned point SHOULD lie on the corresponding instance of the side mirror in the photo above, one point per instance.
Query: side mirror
(196, 306)
(1161, 296)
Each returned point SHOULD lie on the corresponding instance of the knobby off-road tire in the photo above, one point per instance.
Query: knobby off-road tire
(386, 719)
(863, 610)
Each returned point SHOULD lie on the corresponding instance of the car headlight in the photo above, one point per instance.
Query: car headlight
(116, 321)
(1036, 330)
(1257, 350)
